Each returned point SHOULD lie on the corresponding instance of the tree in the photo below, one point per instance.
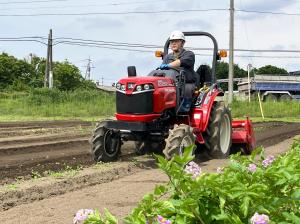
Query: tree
(13, 70)
(67, 76)
(222, 72)
(270, 69)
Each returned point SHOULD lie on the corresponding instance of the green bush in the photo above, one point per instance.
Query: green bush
(249, 185)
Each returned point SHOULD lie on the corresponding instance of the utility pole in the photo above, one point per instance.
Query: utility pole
(249, 66)
(50, 61)
(46, 78)
(102, 81)
(88, 69)
(231, 47)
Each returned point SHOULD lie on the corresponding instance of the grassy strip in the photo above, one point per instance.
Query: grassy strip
(272, 110)
(93, 105)
(44, 104)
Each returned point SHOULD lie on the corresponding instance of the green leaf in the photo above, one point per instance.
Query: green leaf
(159, 190)
(291, 217)
(255, 152)
(296, 194)
(245, 205)
(222, 203)
(110, 219)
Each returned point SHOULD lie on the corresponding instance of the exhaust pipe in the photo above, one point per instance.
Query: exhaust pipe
(131, 70)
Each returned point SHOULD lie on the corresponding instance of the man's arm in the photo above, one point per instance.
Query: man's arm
(175, 64)
(187, 60)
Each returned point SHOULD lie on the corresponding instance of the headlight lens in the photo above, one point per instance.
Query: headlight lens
(118, 86)
(146, 87)
(139, 88)
(123, 87)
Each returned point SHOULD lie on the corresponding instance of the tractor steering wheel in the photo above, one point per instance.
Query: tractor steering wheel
(175, 69)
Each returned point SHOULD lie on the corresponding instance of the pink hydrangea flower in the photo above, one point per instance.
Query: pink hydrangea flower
(193, 168)
(82, 215)
(252, 168)
(268, 161)
(162, 220)
(260, 219)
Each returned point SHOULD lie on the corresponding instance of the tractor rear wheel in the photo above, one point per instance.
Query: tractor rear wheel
(105, 144)
(143, 147)
(219, 131)
(180, 136)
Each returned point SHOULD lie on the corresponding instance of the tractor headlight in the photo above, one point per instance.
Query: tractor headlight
(139, 88)
(123, 87)
(146, 87)
(118, 86)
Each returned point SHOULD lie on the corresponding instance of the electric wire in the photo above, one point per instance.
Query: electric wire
(267, 12)
(110, 13)
(86, 5)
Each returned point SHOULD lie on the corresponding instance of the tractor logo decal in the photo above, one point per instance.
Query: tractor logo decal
(162, 83)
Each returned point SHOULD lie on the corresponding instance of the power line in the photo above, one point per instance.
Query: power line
(68, 40)
(27, 40)
(29, 2)
(110, 13)
(88, 5)
(268, 12)
(78, 41)
(126, 44)
(149, 51)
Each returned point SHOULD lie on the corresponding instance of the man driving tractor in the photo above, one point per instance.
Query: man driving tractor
(182, 60)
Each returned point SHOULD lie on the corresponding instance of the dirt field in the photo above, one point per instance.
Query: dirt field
(26, 148)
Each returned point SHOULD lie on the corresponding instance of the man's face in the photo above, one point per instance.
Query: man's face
(176, 45)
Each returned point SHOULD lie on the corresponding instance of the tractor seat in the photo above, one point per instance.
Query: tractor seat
(203, 75)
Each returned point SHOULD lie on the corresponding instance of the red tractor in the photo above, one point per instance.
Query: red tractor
(148, 112)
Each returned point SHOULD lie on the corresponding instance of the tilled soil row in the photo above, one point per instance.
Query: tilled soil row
(97, 187)
(48, 186)
(43, 124)
(43, 154)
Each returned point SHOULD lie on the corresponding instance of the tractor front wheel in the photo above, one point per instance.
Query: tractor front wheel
(180, 136)
(219, 131)
(105, 144)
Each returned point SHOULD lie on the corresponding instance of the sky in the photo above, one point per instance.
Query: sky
(252, 31)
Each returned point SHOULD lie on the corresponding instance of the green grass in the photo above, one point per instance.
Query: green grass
(44, 104)
(273, 111)
(94, 105)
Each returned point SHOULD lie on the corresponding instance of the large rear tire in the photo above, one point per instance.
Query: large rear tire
(105, 144)
(219, 131)
(180, 136)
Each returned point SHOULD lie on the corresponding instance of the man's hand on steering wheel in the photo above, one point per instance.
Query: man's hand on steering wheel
(164, 66)
(167, 67)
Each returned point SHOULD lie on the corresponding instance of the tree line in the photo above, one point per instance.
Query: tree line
(21, 74)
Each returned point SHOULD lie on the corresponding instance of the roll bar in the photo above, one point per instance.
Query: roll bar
(215, 53)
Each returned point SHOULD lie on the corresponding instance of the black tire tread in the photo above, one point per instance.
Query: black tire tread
(175, 137)
(212, 135)
(97, 145)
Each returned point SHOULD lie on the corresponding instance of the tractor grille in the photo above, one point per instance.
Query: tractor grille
(141, 103)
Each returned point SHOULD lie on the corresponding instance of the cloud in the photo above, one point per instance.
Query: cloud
(99, 22)
(196, 24)
(260, 5)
